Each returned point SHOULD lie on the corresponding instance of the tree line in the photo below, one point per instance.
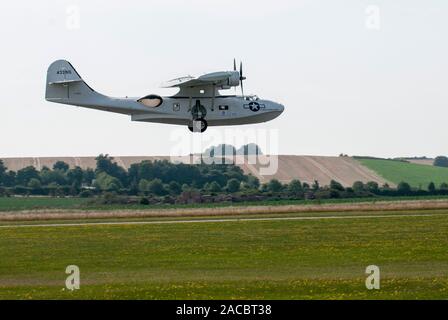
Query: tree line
(183, 183)
(156, 177)
(441, 161)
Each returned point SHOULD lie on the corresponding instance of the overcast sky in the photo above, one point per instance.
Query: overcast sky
(357, 77)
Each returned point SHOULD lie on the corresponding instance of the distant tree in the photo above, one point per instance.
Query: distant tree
(444, 186)
(315, 185)
(133, 188)
(142, 170)
(404, 188)
(104, 163)
(274, 186)
(252, 182)
(143, 185)
(386, 187)
(34, 184)
(334, 185)
(61, 165)
(75, 176)
(214, 187)
(26, 174)
(441, 161)
(233, 185)
(9, 179)
(88, 176)
(52, 187)
(432, 187)
(372, 186)
(358, 186)
(57, 176)
(295, 187)
(3, 170)
(334, 193)
(174, 187)
(195, 185)
(107, 182)
(156, 187)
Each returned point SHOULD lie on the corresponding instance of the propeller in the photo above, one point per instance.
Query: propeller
(234, 69)
(242, 78)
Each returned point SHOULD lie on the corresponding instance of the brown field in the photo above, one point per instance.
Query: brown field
(58, 214)
(345, 170)
(428, 162)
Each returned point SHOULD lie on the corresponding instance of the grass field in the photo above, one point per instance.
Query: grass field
(69, 203)
(34, 203)
(417, 175)
(289, 259)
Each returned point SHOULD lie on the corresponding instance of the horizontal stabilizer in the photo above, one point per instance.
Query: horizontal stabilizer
(64, 81)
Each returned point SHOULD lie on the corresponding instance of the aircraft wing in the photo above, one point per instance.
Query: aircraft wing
(209, 79)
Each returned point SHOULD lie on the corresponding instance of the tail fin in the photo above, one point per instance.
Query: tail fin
(64, 85)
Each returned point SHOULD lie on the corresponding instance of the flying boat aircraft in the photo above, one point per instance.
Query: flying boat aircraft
(197, 105)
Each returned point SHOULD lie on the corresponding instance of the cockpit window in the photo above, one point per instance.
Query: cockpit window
(252, 98)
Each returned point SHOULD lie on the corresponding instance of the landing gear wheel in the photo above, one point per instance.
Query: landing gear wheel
(198, 125)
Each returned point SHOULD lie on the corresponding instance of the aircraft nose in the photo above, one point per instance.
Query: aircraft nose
(280, 107)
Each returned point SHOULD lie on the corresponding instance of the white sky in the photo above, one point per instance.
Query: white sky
(346, 88)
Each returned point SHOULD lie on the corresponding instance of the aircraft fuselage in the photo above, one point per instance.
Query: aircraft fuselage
(221, 110)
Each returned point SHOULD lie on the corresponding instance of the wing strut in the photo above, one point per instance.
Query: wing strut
(213, 98)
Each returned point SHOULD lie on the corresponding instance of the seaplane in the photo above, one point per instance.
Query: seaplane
(197, 105)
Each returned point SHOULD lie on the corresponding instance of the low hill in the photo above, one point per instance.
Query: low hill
(345, 170)
(427, 162)
(417, 175)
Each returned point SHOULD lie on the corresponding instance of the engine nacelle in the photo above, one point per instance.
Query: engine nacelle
(234, 80)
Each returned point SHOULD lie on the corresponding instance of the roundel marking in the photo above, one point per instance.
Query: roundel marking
(254, 106)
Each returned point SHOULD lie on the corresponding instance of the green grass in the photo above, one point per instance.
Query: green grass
(69, 203)
(311, 259)
(33, 203)
(417, 175)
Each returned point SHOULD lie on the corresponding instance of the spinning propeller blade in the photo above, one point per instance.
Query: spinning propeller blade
(234, 69)
(242, 78)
